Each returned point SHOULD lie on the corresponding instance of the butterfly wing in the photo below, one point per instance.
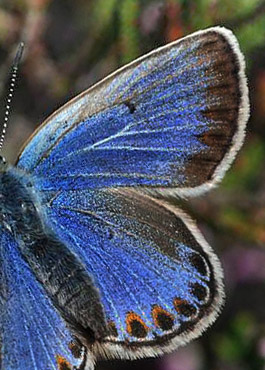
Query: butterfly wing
(160, 283)
(173, 119)
(32, 335)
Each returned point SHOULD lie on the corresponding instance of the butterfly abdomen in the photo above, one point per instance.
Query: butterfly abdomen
(62, 275)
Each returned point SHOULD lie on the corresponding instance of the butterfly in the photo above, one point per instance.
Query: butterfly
(94, 261)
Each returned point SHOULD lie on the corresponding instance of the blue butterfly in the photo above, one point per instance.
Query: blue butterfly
(94, 263)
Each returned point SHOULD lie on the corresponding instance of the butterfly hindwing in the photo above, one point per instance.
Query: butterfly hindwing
(33, 335)
(159, 282)
(174, 118)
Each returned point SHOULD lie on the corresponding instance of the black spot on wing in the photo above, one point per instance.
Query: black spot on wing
(131, 106)
(112, 329)
(199, 291)
(197, 261)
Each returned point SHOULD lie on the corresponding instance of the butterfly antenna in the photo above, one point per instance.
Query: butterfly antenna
(14, 70)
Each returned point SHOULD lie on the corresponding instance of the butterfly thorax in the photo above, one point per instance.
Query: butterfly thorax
(18, 207)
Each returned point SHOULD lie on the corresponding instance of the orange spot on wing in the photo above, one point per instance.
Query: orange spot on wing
(136, 326)
(62, 363)
(184, 308)
(177, 303)
(162, 318)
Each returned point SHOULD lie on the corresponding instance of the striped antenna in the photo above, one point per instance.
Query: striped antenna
(14, 70)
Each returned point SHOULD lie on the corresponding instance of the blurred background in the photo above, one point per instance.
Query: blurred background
(72, 44)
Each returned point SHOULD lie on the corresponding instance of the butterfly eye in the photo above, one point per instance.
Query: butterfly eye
(23, 206)
(26, 206)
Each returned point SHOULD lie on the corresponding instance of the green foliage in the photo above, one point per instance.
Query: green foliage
(244, 177)
(129, 36)
(201, 14)
(245, 17)
(244, 181)
(252, 35)
(237, 341)
(238, 345)
(236, 8)
(102, 13)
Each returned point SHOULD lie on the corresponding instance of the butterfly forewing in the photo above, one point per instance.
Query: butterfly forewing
(174, 118)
